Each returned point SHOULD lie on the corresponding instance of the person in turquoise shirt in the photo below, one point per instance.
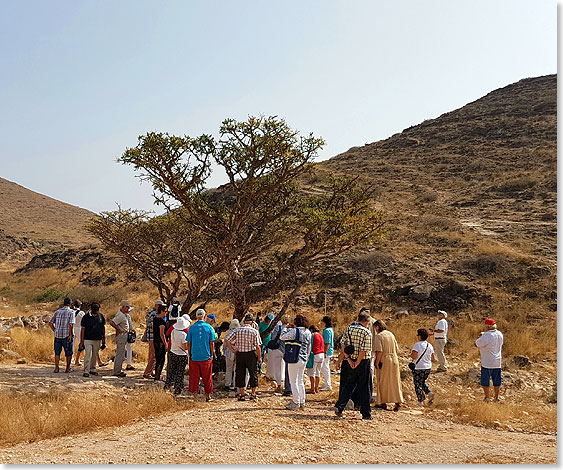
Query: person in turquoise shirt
(200, 340)
(328, 336)
(261, 328)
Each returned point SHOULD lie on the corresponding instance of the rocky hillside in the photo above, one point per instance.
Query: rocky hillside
(31, 223)
(471, 202)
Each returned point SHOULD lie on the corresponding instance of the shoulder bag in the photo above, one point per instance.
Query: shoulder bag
(412, 365)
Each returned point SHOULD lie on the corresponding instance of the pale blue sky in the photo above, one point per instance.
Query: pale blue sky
(79, 81)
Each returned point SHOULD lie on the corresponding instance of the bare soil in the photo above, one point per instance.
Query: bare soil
(261, 432)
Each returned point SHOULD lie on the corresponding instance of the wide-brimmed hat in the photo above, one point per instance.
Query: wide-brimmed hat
(124, 303)
(181, 324)
(234, 324)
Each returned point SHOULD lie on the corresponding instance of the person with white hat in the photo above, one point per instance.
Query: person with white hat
(121, 325)
(178, 358)
(149, 336)
(490, 346)
(440, 333)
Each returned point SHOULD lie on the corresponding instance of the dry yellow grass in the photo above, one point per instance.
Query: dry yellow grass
(517, 414)
(30, 417)
(35, 345)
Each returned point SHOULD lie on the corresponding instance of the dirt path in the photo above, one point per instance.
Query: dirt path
(228, 431)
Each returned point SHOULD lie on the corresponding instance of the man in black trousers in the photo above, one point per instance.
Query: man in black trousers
(355, 374)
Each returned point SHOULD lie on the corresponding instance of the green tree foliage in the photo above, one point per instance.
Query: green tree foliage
(167, 251)
(260, 217)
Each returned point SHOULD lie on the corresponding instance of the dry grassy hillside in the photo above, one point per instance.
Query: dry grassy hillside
(31, 223)
(471, 203)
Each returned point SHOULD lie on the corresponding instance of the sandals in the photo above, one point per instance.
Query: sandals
(242, 398)
(397, 407)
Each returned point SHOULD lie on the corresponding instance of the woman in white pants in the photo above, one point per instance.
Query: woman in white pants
(230, 357)
(296, 370)
(276, 364)
(328, 336)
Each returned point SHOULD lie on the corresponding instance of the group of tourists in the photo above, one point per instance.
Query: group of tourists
(368, 353)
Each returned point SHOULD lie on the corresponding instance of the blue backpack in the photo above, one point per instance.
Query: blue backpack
(292, 348)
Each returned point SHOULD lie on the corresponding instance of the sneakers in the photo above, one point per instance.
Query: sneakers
(430, 397)
(121, 374)
(129, 368)
(85, 374)
(367, 417)
(93, 372)
(286, 394)
(302, 406)
(419, 403)
(292, 406)
(441, 369)
(337, 412)
(325, 388)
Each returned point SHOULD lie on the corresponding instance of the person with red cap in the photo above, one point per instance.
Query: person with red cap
(490, 347)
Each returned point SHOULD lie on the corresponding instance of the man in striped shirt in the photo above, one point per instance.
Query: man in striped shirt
(62, 324)
(355, 374)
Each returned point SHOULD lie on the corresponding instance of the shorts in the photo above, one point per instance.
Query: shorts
(487, 374)
(61, 343)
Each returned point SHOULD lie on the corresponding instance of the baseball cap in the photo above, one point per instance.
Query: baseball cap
(490, 321)
(270, 316)
(124, 303)
(443, 312)
(159, 302)
(248, 317)
(200, 313)
(212, 316)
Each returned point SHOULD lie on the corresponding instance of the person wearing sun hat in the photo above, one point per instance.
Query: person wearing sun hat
(440, 333)
(121, 325)
(178, 358)
(490, 346)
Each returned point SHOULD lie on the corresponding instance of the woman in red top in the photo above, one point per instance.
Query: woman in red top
(317, 351)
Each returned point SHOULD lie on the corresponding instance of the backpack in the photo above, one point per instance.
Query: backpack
(292, 348)
(274, 343)
(174, 311)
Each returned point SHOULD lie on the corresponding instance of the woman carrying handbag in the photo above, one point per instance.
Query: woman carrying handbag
(423, 355)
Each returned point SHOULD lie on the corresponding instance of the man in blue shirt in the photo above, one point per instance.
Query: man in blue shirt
(200, 339)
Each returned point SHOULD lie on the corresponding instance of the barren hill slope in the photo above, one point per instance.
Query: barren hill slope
(30, 222)
(490, 165)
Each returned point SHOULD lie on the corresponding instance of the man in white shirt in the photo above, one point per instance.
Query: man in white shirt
(121, 326)
(490, 347)
(440, 333)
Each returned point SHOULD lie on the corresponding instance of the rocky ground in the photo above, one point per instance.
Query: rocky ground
(228, 431)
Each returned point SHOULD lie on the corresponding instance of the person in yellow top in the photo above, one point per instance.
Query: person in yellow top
(388, 374)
